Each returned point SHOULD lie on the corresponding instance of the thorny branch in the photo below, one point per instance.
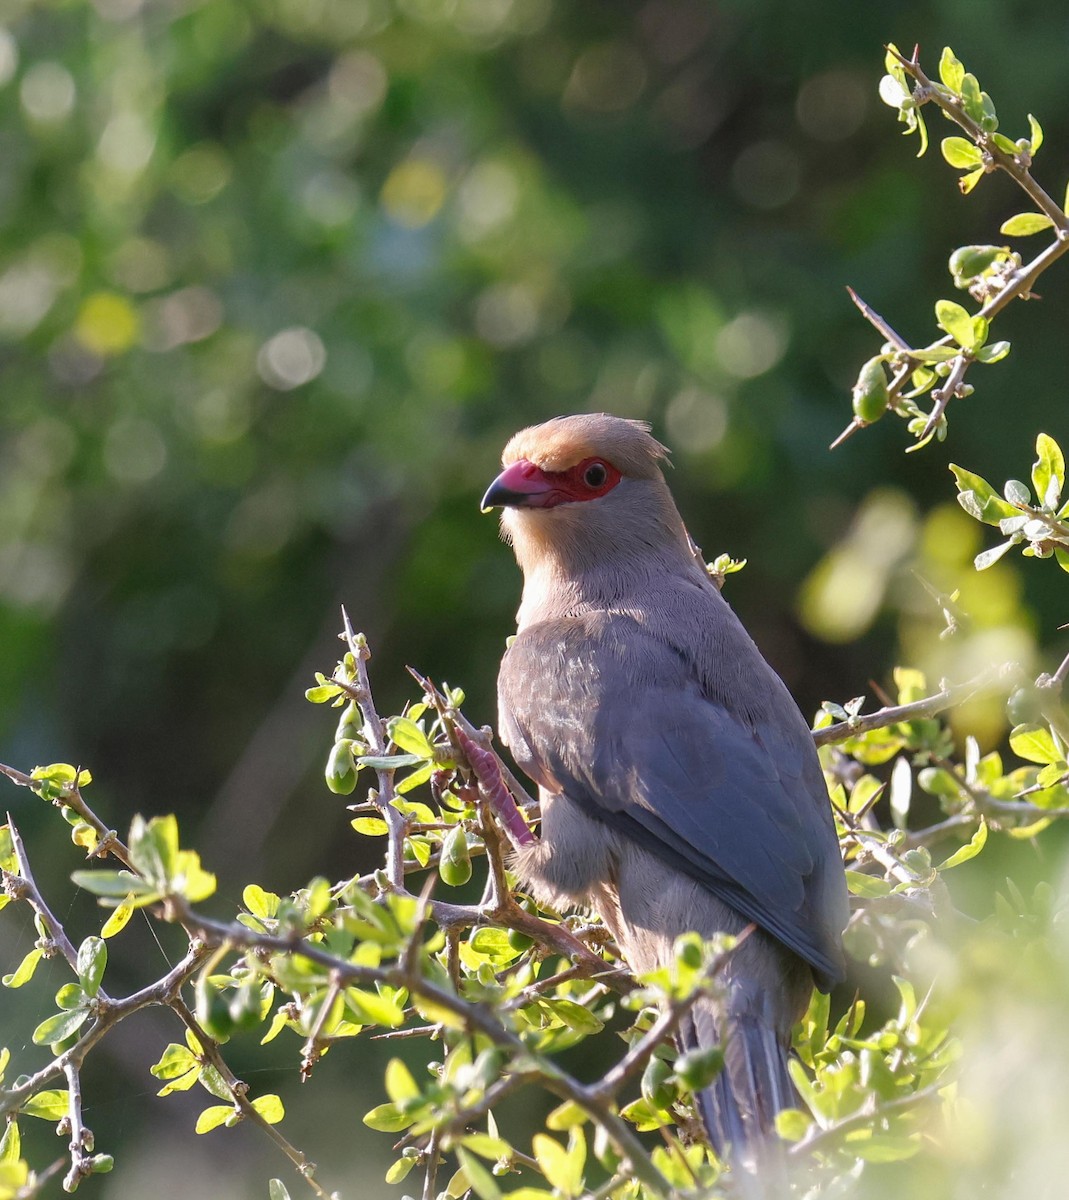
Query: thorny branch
(471, 748)
(1017, 283)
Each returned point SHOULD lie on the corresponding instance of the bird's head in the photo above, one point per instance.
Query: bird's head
(573, 460)
(583, 491)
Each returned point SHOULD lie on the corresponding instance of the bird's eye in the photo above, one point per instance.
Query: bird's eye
(595, 475)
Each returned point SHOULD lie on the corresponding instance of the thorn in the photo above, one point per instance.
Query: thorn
(849, 431)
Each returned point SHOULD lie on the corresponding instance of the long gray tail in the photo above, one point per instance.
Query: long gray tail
(739, 1108)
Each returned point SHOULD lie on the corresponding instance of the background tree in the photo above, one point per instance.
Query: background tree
(278, 282)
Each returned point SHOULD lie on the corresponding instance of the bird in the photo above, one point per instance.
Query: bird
(679, 785)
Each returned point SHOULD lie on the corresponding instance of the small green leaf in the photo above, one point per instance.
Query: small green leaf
(993, 353)
(1037, 134)
(154, 848)
(399, 1082)
(988, 504)
(59, 1027)
(388, 1118)
(951, 71)
(408, 735)
(557, 1165)
(988, 558)
(372, 1009)
(961, 153)
(792, 1124)
(478, 1177)
(92, 959)
(270, 1107)
(1025, 224)
(400, 1169)
(389, 762)
(214, 1116)
(956, 321)
(277, 1190)
(115, 885)
(1048, 469)
(370, 826)
(893, 91)
(49, 1105)
(867, 886)
(23, 973)
(11, 1144)
(1034, 743)
(118, 919)
(970, 850)
(259, 902)
(174, 1061)
(967, 182)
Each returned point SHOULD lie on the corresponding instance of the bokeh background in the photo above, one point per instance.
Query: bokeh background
(278, 278)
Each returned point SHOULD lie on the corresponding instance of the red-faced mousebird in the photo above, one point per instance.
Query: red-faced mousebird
(680, 788)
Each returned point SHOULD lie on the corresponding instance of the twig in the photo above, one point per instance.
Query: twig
(841, 731)
(374, 732)
(81, 1138)
(238, 1090)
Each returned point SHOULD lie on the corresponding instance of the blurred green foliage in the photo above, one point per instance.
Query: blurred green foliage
(278, 279)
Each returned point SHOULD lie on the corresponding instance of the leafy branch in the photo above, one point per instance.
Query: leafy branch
(993, 275)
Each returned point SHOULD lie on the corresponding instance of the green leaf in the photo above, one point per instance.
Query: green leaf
(399, 1082)
(1037, 134)
(867, 886)
(71, 996)
(370, 826)
(119, 918)
(961, 153)
(1048, 470)
(1035, 744)
(892, 91)
(967, 182)
(479, 1178)
(372, 1009)
(1025, 224)
(1062, 557)
(270, 1108)
(59, 1027)
(951, 71)
(388, 1118)
(408, 735)
(259, 902)
(956, 321)
(793, 1124)
(154, 848)
(48, 1105)
(11, 1143)
(993, 353)
(988, 558)
(115, 885)
(174, 1061)
(400, 1169)
(92, 959)
(970, 850)
(23, 973)
(980, 499)
(389, 762)
(486, 1146)
(563, 1170)
(277, 1190)
(214, 1116)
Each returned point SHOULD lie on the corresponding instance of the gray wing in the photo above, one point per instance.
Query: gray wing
(630, 728)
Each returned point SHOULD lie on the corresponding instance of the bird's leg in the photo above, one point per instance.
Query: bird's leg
(491, 783)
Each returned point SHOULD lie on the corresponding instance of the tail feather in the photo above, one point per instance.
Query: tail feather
(739, 1107)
